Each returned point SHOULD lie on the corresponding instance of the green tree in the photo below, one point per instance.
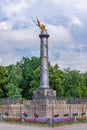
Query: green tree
(84, 84)
(56, 77)
(13, 91)
(14, 80)
(24, 77)
(74, 84)
(85, 78)
(29, 67)
(3, 81)
(35, 82)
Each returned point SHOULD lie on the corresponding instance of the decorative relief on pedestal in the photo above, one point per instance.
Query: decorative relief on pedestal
(44, 94)
(37, 95)
(51, 95)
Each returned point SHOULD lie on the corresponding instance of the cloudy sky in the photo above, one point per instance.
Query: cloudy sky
(65, 20)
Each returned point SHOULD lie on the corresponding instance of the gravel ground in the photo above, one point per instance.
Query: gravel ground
(6, 126)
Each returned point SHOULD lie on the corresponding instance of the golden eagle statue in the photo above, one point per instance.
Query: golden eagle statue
(41, 26)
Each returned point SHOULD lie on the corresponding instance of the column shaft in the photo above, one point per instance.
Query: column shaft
(44, 73)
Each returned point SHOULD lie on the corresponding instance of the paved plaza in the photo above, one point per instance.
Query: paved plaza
(6, 126)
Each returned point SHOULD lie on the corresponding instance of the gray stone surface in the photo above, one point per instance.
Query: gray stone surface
(44, 74)
(5, 126)
(44, 91)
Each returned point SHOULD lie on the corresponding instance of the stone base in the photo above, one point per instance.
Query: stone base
(42, 94)
(43, 99)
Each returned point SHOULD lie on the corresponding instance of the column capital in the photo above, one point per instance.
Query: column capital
(44, 34)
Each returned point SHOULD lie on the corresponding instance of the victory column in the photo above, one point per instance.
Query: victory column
(44, 91)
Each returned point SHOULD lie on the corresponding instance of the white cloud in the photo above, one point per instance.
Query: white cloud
(55, 1)
(28, 38)
(15, 10)
(72, 7)
(79, 47)
(73, 60)
(78, 4)
(76, 21)
(0, 60)
(59, 35)
(65, 21)
(20, 39)
(81, 5)
(5, 25)
(9, 58)
(15, 6)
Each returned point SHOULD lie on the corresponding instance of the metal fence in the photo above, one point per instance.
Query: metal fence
(51, 112)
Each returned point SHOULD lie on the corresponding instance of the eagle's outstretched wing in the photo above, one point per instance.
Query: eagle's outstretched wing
(38, 21)
(41, 26)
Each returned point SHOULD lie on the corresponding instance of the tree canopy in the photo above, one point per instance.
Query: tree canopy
(21, 79)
